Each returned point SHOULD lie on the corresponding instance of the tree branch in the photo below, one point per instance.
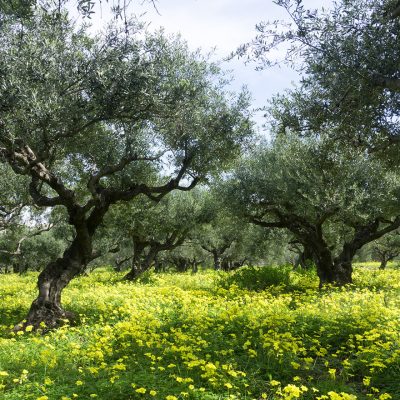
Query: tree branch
(94, 180)
(24, 161)
(17, 252)
(40, 199)
(155, 193)
(265, 224)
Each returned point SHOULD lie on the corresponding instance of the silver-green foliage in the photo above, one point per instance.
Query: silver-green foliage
(347, 55)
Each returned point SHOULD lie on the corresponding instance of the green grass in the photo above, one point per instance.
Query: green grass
(257, 333)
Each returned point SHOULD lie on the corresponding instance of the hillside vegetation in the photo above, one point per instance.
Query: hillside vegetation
(264, 333)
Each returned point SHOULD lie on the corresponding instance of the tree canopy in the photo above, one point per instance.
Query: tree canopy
(332, 202)
(347, 56)
(86, 119)
(96, 131)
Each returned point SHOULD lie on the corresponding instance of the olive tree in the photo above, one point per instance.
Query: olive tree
(14, 203)
(386, 248)
(83, 117)
(146, 228)
(347, 56)
(334, 201)
(24, 9)
(219, 229)
(188, 255)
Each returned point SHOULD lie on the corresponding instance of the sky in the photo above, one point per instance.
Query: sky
(222, 26)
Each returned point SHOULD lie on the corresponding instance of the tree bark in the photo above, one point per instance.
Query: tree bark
(46, 311)
(136, 266)
(338, 271)
(140, 267)
(343, 272)
(325, 267)
(217, 260)
(151, 255)
(195, 266)
(383, 263)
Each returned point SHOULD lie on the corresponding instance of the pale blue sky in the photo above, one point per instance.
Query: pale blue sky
(223, 25)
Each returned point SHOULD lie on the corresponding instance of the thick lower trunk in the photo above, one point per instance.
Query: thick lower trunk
(46, 311)
(336, 272)
(195, 267)
(217, 261)
(139, 267)
(383, 263)
(325, 268)
(386, 258)
(330, 271)
(151, 256)
(136, 266)
(343, 271)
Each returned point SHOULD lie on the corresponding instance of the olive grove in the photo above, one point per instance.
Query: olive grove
(84, 119)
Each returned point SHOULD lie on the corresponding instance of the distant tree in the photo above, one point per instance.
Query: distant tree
(347, 56)
(333, 203)
(14, 202)
(82, 119)
(22, 225)
(145, 228)
(219, 231)
(188, 256)
(13, 198)
(387, 248)
(21, 248)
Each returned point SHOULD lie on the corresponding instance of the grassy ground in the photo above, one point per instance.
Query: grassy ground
(254, 334)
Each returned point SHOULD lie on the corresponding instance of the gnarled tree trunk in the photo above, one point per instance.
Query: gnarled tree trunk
(383, 264)
(217, 260)
(136, 266)
(337, 272)
(325, 266)
(385, 257)
(46, 310)
(333, 271)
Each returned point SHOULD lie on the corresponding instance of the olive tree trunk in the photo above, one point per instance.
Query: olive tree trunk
(136, 266)
(217, 260)
(46, 310)
(333, 271)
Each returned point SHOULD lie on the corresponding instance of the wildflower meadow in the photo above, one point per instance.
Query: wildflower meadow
(256, 333)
